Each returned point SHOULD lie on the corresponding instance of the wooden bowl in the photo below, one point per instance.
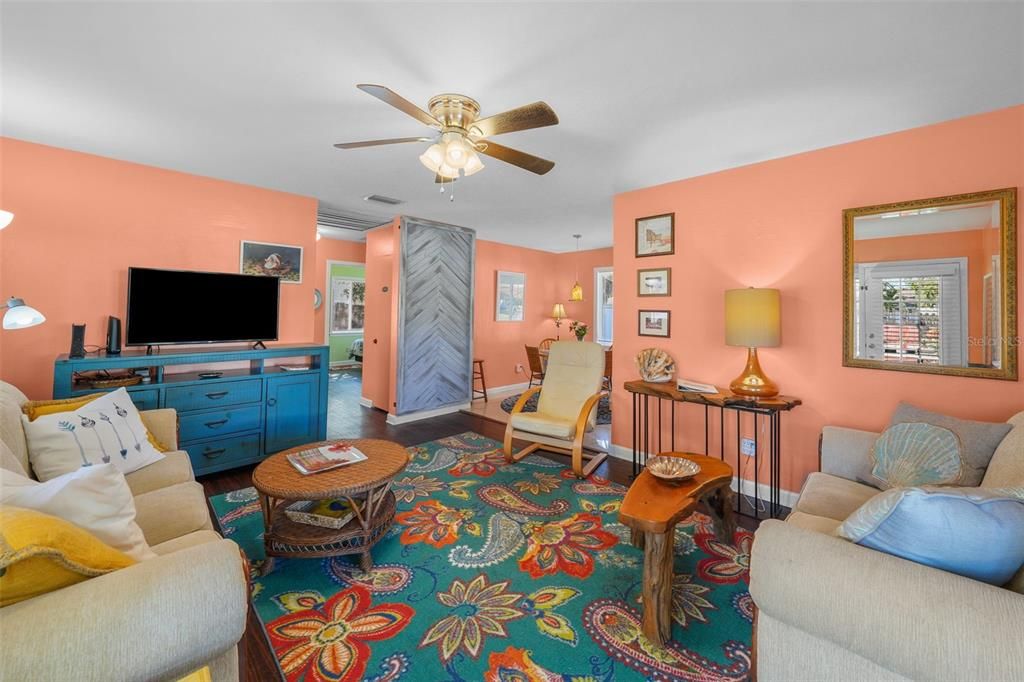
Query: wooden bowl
(672, 468)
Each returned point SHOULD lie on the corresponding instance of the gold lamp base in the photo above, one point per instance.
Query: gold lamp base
(752, 382)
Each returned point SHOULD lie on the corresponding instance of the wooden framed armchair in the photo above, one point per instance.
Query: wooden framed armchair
(565, 409)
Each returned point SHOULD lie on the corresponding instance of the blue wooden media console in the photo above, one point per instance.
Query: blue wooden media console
(252, 408)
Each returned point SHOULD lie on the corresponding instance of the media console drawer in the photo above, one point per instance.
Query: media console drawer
(224, 453)
(214, 394)
(203, 425)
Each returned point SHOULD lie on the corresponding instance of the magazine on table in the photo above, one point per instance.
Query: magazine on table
(325, 458)
(691, 386)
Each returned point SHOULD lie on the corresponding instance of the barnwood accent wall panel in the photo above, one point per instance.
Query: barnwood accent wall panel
(435, 315)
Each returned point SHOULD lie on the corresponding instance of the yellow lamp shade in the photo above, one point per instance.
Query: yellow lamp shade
(752, 318)
(558, 312)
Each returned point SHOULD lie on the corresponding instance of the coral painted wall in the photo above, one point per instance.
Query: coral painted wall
(779, 224)
(549, 277)
(379, 330)
(583, 263)
(82, 220)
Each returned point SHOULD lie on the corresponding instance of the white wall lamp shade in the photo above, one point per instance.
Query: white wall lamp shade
(558, 311)
(5, 219)
(21, 316)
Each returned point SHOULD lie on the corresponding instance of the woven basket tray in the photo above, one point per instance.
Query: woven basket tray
(299, 512)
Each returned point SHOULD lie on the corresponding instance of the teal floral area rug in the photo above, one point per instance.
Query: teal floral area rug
(499, 572)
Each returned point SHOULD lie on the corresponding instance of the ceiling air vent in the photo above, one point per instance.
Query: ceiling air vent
(381, 199)
(349, 220)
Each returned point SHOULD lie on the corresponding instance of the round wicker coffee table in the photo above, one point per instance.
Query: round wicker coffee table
(365, 485)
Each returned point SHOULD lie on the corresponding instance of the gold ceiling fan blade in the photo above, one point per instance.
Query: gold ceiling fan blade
(529, 162)
(397, 101)
(536, 115)
(374, 143)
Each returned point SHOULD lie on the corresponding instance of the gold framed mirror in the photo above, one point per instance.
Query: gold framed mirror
(930, 285)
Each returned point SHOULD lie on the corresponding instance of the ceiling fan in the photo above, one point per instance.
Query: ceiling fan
(462, 134)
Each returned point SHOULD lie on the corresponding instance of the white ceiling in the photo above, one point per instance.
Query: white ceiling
(949, 219)
(646, 93)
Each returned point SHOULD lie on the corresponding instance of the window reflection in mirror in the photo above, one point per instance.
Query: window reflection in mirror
(926, 286)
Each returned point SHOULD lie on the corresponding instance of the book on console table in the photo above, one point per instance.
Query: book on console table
(691, 386)
(325, 458)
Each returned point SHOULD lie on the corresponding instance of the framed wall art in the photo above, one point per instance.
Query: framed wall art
(510, 297)
(656, 235)
(274, 260)
(654, 282)
(655, 323)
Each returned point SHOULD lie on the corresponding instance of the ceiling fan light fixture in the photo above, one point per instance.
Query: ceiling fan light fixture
(433, 158)
(456, 151)
(473, 165)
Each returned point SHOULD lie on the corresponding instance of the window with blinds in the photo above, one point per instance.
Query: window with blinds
(910, 311)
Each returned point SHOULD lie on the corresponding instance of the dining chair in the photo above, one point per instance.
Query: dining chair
(566, 406)
(536, 365)
(545, 344)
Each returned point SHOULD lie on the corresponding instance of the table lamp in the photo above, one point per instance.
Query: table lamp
(558, 312)
(19, 315)
(752, 321)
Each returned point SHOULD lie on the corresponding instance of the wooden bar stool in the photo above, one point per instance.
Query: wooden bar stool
(478, 373)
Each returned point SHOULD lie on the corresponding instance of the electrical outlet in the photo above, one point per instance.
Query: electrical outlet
(519, 368)
(747, 447)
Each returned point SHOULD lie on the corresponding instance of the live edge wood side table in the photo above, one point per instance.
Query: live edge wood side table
(648, 431)
(366, 485)
(651, 510)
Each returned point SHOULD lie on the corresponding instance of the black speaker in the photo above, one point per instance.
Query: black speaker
(77, 341)
(113, 336)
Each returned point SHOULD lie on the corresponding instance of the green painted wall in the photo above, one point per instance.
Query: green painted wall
(340, 343)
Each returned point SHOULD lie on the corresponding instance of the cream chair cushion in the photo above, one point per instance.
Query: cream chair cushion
(171, 512)
(574, 373)
(8, 462)
(1006, 470)
(832, 497)
(544, 425)
(819, 524)
(11, 433)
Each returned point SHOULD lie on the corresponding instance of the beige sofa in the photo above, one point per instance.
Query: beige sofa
(831, 610)
(157, 620)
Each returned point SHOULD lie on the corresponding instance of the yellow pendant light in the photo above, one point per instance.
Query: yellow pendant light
(576, 294)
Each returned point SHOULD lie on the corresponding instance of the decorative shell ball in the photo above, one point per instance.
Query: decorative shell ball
(655, 365)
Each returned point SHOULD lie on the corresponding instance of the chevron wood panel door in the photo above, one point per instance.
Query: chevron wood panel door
(435, 315)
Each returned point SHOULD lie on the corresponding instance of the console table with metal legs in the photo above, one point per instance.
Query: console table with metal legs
(650, 435)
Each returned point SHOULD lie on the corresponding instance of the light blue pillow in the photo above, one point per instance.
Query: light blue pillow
(973, 532)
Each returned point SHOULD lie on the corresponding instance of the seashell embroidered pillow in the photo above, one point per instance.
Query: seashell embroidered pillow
(915, 454)
(108, 429)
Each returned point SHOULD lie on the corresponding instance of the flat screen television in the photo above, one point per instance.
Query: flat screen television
(177, 306)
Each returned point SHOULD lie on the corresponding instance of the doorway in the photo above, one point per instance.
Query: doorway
(343, 331)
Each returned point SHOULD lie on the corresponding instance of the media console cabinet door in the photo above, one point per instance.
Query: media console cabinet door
(435, 313)
(292, 411)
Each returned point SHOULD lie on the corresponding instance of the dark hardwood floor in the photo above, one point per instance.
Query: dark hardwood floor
(256, 661)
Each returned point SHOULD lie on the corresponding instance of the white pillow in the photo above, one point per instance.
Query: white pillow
(94, 498)
(108, 429)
